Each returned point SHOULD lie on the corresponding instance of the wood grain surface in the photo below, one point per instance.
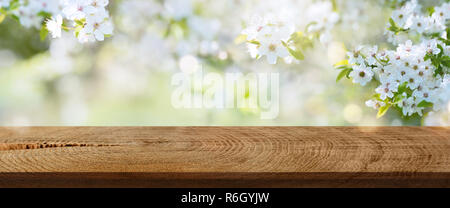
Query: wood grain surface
(225, 157)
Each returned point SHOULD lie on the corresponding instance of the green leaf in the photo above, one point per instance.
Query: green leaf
(446, 61)
(425, 104)
(80, 22)
(43, 33)
(442, 50)
(448, 33)
(341, 63)
(446, 41)
(392, 22)
(335, 7)
(77, 30)
(393, 26)
(342, 67)
(301, 41)
(240, 39)
(44, 14)
(376, 96)
(14, 5)
(398, 98)
(402, 88)
(343, 73)
(15, 17)
(430, 11)
(254, 42)
(296, 54)
(382, 111)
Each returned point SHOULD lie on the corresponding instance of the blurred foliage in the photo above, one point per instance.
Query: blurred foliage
(126, 79)
(24, 42)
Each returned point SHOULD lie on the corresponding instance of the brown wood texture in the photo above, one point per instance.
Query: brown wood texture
(225, 157)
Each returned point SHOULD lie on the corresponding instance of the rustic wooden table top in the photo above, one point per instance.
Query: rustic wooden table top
(225, 157)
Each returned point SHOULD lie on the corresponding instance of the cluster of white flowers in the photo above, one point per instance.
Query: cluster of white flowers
(29, 13)
(267, 36)
(88, 19)
(276, 34)
(416, 75)
(409, 21)
(322, 19)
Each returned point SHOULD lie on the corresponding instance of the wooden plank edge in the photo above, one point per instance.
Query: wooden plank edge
(224, 180)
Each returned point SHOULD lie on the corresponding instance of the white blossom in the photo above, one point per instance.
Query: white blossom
(361, 74)
(276, 23)
(98, 26)
(54, 26)
(375, 104)
(75, 9)
(412, 76)
(55, 15)
(272, 48)
(415, 74)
